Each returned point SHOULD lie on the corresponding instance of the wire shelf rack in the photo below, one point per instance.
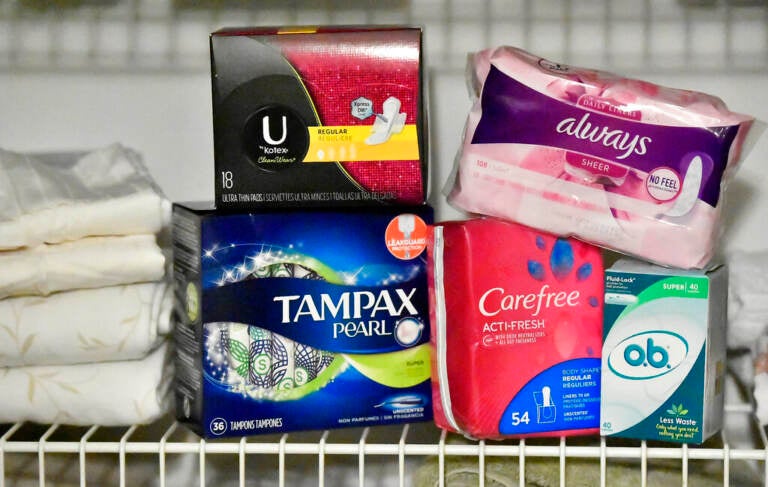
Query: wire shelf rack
(171, 35)
(37, 453)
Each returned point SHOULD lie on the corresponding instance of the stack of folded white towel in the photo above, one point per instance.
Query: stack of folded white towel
(84, 302)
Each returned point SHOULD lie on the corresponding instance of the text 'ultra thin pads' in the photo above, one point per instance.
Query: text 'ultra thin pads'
(618, 162)
(516, 318)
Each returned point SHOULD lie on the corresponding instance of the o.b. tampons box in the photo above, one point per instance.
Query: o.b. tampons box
(663, 366)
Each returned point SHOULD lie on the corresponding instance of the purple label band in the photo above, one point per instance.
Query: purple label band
(513, 113)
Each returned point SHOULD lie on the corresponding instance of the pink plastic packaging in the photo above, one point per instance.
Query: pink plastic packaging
(622, 163)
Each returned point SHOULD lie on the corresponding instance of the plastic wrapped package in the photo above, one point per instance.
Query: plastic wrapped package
(622, 163)
(516, 346)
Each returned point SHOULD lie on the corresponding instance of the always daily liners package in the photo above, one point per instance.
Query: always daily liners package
(618, 162)
(516, 319)
(300, 319)
(320, 116)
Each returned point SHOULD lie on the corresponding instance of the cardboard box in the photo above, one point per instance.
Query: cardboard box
(322, 116)
(300, 319)
(664, 352)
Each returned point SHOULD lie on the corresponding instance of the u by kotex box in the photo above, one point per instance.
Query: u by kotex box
(318, 116)
(300, 319)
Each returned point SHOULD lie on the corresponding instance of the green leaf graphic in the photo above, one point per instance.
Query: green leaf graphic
(242, 370)
(677, 410)
(238, 351)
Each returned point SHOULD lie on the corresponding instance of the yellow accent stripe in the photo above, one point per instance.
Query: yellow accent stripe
(347, 143)
(298, 30)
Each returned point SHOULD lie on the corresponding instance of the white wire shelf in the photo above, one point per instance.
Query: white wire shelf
(172, 35)
(36, 452)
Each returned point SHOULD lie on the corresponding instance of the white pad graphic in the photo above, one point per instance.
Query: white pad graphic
(391, 121)
(690, 190)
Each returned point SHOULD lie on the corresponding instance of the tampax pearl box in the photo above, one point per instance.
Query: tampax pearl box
(300, 319)
(321, 116)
